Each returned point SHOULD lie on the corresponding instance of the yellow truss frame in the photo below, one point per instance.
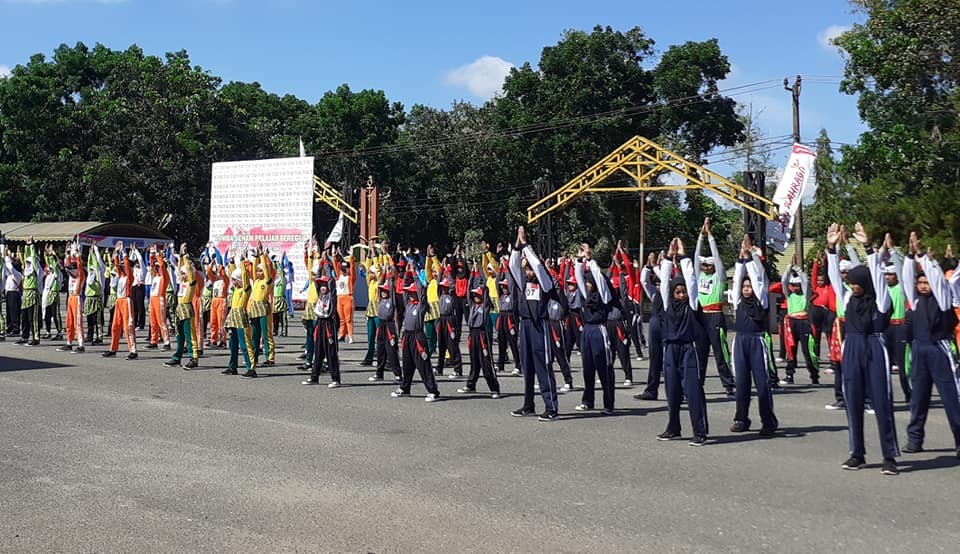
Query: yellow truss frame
(323, 192)
(644, 160)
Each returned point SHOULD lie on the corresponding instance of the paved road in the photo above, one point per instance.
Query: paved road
(106, 455)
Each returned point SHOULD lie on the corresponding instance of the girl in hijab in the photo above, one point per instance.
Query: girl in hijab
(750, 354)
(867, 306)
(680, 330)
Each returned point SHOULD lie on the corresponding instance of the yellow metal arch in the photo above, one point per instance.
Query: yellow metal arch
(329, 196)
(644, 160)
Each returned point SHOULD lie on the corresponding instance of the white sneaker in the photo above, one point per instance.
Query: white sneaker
(452, 376)
(871, 411)
(828, 371)
(628, 383)
(430, 398)
(516, 371)
(398, 393)
(581, 408)
(309, 382)
(536, 387)
(349, 340)
(598, 382)
(465, 390)
(334, 385)
(780, 360)
(566, 388)
(783, 383)
(495, 395)
(639, 358)
(373, 378)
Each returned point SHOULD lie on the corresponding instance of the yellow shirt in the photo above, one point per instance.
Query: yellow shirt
(261, 287)
(241, 294)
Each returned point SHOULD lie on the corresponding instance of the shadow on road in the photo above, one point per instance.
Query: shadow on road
(21, 364)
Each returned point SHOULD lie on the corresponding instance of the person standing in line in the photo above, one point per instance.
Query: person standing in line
(681, 328)
(650, 279)
(326, 341)
(933, 361)
(122, 320)
(30, 299)
(797, 325)
(185, 315)
(595, 352)
(478, 341)
(413, 345)
(76, 278)
(711, 288)
(898, 333)
(51, 294)
(750, 347)
(238, 322)
(867, 308)
(531, 288)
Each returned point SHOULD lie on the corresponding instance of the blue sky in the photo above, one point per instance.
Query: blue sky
(434, 52)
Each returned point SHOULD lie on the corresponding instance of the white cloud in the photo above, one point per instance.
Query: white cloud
(826, 36)
(483, 77)
(4, 71)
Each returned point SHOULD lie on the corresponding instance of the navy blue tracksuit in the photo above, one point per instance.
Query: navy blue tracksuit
(751, 356)
(865, 373)
(531, 299)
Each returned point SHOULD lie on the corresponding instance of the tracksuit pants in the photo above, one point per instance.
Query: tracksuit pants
(558, 350)
(656, 356)
(715, 336)
(534, 350)
(897, 338)
(751, 359)
(241, 339)
(619, 339)
(325, 348)
(933, 364)
(448, 340)
(481, 360)
(865, 372)
(597, 361)
(416, 359)
(387, 343)
(681, 371)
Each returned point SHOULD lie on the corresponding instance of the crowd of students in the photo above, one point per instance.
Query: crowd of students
(893, 314)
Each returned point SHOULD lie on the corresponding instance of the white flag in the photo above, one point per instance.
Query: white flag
(303, 151)
(337, 233)
(790, 191)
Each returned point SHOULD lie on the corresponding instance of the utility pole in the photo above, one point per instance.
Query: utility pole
(798, 223)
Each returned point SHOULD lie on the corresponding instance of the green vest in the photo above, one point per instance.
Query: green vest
(841, 307)
(710, 289)
(899, 302)
(93, 276)
(796, 303)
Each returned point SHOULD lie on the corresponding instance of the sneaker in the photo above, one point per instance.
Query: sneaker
(495, 395)
(229, 371)
(739, 427)
(627, 383)
(249, 374)
(166, 348)
(268, 363)
(668, 436)
(598, 382)
(828, 371)
(171, 363)
(191, 363)
(309, 382)
(853, 463)
(912, 448)
(767, 431)
(349, 340)
(132, 356)
(431, 398)
(639, 358)
(536, 387)
(398, 393)
(645, 395)
(374, 378)
(547, 416)
(607, 412)
(731, 393)
(302, 356)
(698, 440)
(65, 348)
(889, 467)
(869, 409)
(365, 362)
(108, 354)
(453, 376)
(334, 385)
(522, 413)
(894, 369)
(582, 408)
(515, 372)
(466, 390)
(779, 360)
(788, 380)
(79, 350)
(304, 367)
(150, 347)
(22, 341)
(837, 405)
(34, 342)
(567, 387)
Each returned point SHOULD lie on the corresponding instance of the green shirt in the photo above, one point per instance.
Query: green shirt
(899, 302)
(710, 289)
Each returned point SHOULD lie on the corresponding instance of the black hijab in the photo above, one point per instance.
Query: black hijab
(861, 309)
(751, 305)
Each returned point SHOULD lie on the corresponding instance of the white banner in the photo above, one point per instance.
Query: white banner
(789, 194)
(270, 201)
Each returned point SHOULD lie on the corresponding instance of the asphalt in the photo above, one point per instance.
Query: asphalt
(110, 455)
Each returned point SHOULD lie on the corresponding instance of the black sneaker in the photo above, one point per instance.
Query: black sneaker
(740, 427)
(108, 354)
(853, 463)
(303, 367)
(229, 371)
(79, 350)
(607, 412)
(150, 347)
(171, 363)
(367, 362)
(249, 374)
(547, 416)
(645, 395)
(268, 363)
(191, 363)
(65, 348)
(815, 380)
(668, 436)
(889, 467)
(34, 342)
(166, 348)
(767, 431)
(912, 448)
(731, 393)
(302, 356)
(837, 405)
(132, 356)
(22, 341)
(522, 413)
(698, 440)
